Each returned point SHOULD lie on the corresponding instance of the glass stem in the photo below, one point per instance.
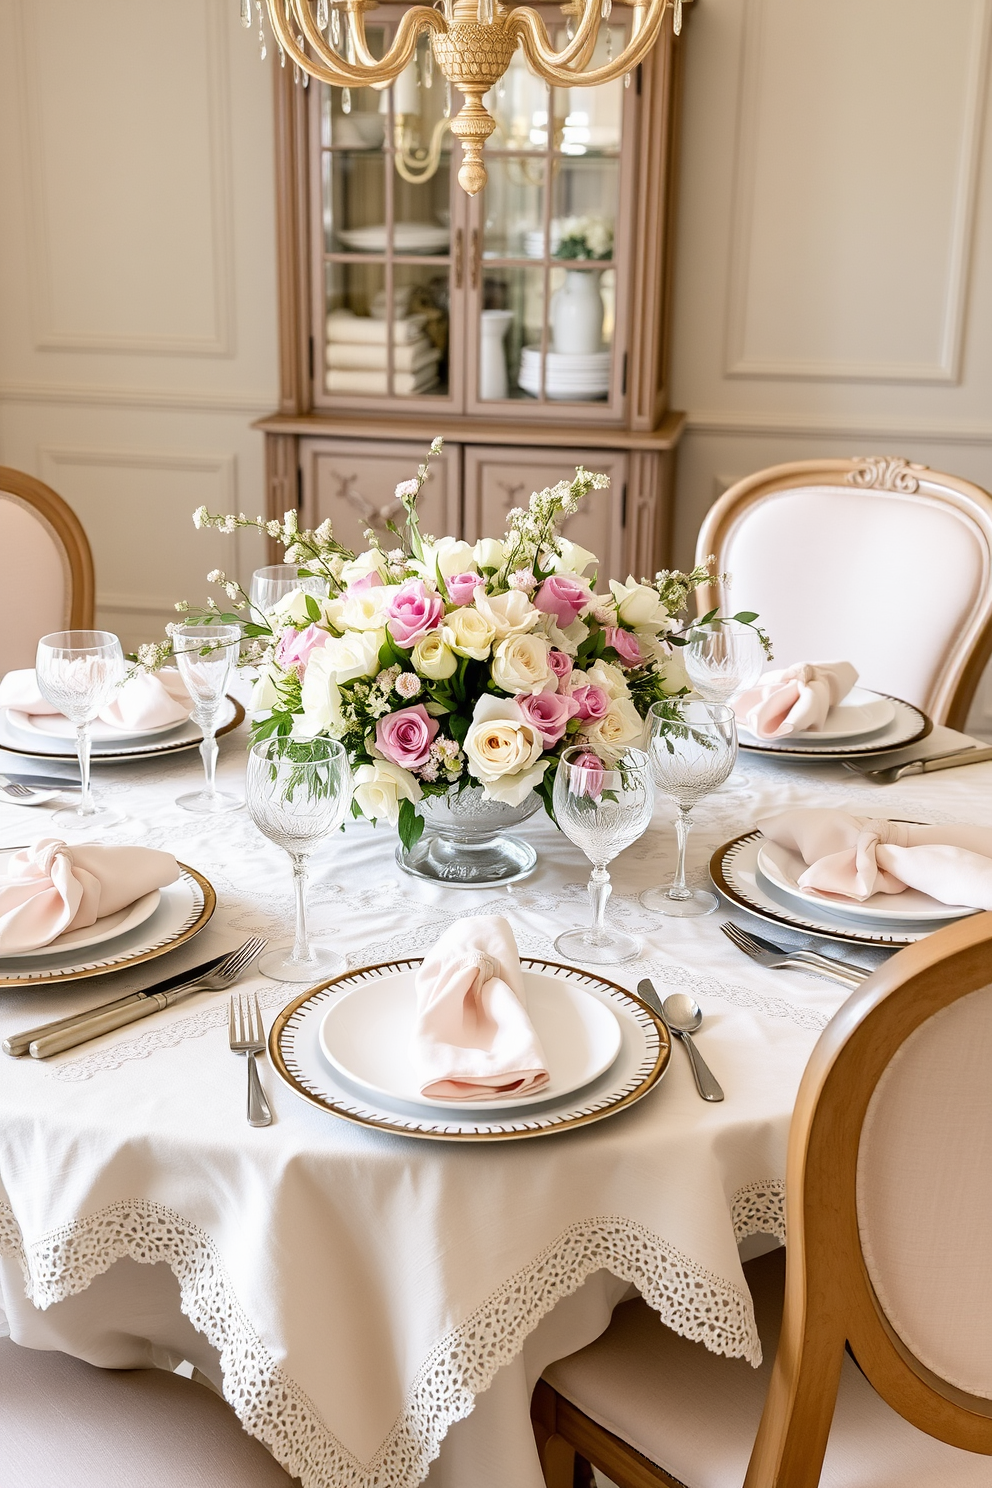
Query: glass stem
(208, 754)
(600, 890)
(301, 945)
(683, 822)
(86, 806)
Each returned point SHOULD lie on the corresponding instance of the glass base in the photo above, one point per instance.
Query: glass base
(579, 946)
(279, 965)
(71, 819)
(207, 805)
(468, 865)
(697, 902)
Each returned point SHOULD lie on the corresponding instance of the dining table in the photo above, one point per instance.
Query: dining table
(377, 1308)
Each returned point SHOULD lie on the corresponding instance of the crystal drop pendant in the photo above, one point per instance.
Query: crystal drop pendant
(607, 9)
(626, 79)
(485, 12)
(300, 74)
(335, 28)
(346, 100)
(262, 52)
(609, 44)
(447, 100)
(570, 29)
(246, 14)
(677, 18)
(322, 14)
(427, 67)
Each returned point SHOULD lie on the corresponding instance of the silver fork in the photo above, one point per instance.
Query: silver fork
(18, 792)
(246, 1035)
(777, 957)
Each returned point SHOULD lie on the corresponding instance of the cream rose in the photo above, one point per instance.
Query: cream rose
(621, 725)
(610, 678)
(671, 669)
(520, 664)
(264, 694)
(355, 654)
(568, 640)
(467, 633)
(508, 614)
(380, 787)
(447, 556)
(432, 658)
(571, 559)
(488, 552)
(321, 699)
(292, 609)
(504, 750)
(365, 609)
(639, 604)
(371, 561)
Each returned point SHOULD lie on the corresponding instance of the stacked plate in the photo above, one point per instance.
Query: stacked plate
(569, 376)
(345, 1046)
(408, 237)
(50, 736)
(154, 924)
(863, 723)
(763, 877)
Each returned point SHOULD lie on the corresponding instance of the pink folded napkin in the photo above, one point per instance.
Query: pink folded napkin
(144, 701)
(473, 1038)
(794, 700)
(51, 887)
(854, 857)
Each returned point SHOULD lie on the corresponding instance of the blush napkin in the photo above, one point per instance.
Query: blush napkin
(144, 701)
(473, 1039)
(51, 887)
(795, 699)
(853, 857)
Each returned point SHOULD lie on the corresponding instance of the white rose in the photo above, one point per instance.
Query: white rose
(447, 556)
(621, 725)
(432, 658)
(568, 640)
(467, 633)
(321, 699)
(359, 568)
(292, 609)
(610, 678)
(366, 608)
(571, 559)
(380, 787)
(671, 670)
(264, 695)
(508, 614)
(355, 654)
(504, 750)
(638, 604)
(520, 664)
(489, 552)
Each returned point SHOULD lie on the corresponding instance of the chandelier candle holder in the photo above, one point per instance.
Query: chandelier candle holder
(472, 41)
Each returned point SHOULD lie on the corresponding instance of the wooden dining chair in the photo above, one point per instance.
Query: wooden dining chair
(65, 1424)
(46, 568)
(874, 561)
(889, 1264)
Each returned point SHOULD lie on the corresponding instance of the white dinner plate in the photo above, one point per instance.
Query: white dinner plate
(56, 726)
(860, 713)
(367, 1037)
(108, 927)
(912, 907)
(408, 237)
(735, 873)
(187, 735)
(908, 725)
(299, 1060)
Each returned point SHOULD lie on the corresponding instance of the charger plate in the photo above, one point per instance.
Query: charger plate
(183, 909)
(297, 1057)
(908, 726)
(735, 872)
(187, 735)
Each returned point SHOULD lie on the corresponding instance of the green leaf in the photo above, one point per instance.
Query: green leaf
(746, 617)
(707, 618)
(313, 608)
(459, 726)
(410, 825)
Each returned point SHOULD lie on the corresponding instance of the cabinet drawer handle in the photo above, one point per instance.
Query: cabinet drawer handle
(459, 257)
(475, 257)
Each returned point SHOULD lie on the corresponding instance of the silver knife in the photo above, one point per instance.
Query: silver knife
(891, 773)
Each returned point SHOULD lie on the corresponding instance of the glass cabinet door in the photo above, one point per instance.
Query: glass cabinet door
(385, 252)
(549, 234)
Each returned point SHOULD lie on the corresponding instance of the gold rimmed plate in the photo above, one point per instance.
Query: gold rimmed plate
(296, 1055)
(908, 725)
(184, 736)
(183, 909)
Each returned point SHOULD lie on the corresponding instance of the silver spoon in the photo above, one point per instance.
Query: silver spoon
(683, 1016)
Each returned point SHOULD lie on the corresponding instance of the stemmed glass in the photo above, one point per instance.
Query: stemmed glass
(78, 672)
(693, 746)
(602, 811)
(271, 584)
(205, 655)
(722, 660)
(298, 793)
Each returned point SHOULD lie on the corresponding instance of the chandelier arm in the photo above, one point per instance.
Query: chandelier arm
(582, 45)
(329, 67)
(529, 26)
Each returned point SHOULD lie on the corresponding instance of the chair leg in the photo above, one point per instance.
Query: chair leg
(583, 1476)
(557, 1456)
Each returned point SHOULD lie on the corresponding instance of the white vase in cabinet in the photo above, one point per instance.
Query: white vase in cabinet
(577, 314)
(493, 378)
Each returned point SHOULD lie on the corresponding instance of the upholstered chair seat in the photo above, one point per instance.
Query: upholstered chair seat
(46, 568)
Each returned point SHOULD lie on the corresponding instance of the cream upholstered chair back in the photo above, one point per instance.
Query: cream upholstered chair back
(46, 568)
(874, 561)
(889, 1210)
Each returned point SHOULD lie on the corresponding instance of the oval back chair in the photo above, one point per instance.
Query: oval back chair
(46, 564)
(874, 561)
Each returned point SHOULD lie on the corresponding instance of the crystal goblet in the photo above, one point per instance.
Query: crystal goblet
(78, 672)
(205, 655)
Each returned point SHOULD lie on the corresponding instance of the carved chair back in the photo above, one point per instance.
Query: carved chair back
(46, 568)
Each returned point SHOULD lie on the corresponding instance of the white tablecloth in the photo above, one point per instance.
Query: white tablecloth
(353, 1292)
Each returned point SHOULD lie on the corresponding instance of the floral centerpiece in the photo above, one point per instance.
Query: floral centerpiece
(443, 666)
(584, 238)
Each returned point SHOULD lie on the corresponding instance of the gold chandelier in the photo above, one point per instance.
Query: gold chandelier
(473, 42)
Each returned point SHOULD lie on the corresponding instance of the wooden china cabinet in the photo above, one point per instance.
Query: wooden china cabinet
(494, 338)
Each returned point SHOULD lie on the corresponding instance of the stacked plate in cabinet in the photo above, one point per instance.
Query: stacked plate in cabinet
(569, 376)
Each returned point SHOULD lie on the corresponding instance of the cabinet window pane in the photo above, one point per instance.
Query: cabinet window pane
(514, 208)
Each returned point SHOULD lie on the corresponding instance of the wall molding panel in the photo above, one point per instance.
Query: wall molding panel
(788, 426)
(160, 399)
(766, 154)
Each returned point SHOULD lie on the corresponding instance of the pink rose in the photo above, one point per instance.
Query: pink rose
(406, 737)
(586, 777)
(296, 646)
(372, 580)
(563, 596)
(561, 665)
(549, 712)
(626, 646)
(461, 588)
(593, 702)
(414, 612)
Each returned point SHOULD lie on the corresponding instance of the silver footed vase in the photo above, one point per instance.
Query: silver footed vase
(467, 841)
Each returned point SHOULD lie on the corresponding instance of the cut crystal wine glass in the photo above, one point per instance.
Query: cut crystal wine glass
(205, 655)
(722, 660)
(78, 672)
(271, 584)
